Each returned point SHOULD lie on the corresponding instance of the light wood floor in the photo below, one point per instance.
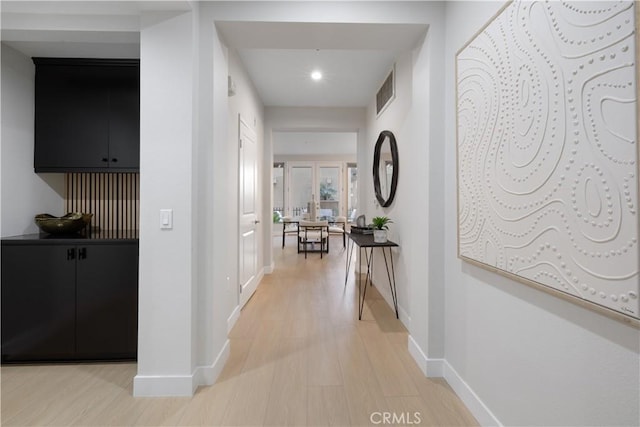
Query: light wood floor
(299, 356)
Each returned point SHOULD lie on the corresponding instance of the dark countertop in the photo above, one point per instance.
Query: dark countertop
(116, 236)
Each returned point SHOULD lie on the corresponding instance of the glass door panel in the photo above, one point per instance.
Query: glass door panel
(300, 189)
(329, 186)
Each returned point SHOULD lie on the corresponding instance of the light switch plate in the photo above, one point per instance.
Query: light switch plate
(166, 219)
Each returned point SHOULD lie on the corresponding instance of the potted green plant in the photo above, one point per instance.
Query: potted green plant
(380, 228)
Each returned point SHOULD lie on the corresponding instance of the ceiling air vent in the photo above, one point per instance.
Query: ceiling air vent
(387, 92)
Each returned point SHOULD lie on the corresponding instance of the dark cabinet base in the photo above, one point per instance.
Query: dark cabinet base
(66, 302)
(38, 303)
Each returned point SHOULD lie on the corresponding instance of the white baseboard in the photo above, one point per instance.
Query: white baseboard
(180, 385)
(477, 407)
(163, 385)
(269, 268)
(260, 276)
(432, 368)
(207, 375)
(231, 321)
(442, 368)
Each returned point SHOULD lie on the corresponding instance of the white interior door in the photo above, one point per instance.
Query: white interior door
(248, 224)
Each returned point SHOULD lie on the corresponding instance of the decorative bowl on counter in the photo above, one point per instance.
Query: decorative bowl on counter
(70, 223)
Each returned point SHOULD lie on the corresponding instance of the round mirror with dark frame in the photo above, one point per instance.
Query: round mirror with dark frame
(385, 168)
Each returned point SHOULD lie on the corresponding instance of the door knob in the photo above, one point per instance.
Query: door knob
(257, 221)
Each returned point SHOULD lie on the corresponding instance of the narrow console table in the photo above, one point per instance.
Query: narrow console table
(365, 242)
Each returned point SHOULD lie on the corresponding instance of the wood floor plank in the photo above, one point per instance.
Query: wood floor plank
(327, 406)
(287, 398)
(362, 390)
(392, 375)
(209, 405)
(323, 365)
(162, 411)
(248, 405)
(407, 410)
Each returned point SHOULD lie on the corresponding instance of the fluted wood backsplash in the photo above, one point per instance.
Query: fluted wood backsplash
(112, 198)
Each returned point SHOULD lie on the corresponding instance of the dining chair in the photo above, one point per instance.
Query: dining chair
(289, 226)
(337, 227)
(312, 233)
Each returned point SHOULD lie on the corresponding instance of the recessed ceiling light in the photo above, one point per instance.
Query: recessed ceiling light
(316, 75)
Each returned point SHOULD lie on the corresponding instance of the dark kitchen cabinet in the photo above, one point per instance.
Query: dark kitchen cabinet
(87, 115)
(69, 301)
(107, 301)
(38, 302)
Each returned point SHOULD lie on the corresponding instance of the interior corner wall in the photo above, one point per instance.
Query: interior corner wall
(165, 360)
(529, 356)
(217, 295)
(24, 193)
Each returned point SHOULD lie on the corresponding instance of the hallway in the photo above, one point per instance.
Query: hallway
(299, 356)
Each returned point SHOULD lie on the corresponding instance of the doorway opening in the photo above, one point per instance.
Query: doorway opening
(314, 168)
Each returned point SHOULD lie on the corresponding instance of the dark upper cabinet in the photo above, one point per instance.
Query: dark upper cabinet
(87, 115)
(66, 301)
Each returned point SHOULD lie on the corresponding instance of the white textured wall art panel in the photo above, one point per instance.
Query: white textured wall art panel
(548, 151)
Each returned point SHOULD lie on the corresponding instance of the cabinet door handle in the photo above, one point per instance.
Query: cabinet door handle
(71, 254)
(104, 159)
(82, 253)
(114, 160)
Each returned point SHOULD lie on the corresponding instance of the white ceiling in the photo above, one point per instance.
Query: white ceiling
(92, 7)
(350, 77)
(355, 58)
(88, 29)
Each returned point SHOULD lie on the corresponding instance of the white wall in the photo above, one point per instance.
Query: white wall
(24, 193)
(166, 278)
(531, 357)
(410, 195)
(415, 118)
(314, 158)
(315, 143)
(217, 294)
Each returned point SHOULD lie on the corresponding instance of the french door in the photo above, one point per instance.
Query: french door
(315, 182)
